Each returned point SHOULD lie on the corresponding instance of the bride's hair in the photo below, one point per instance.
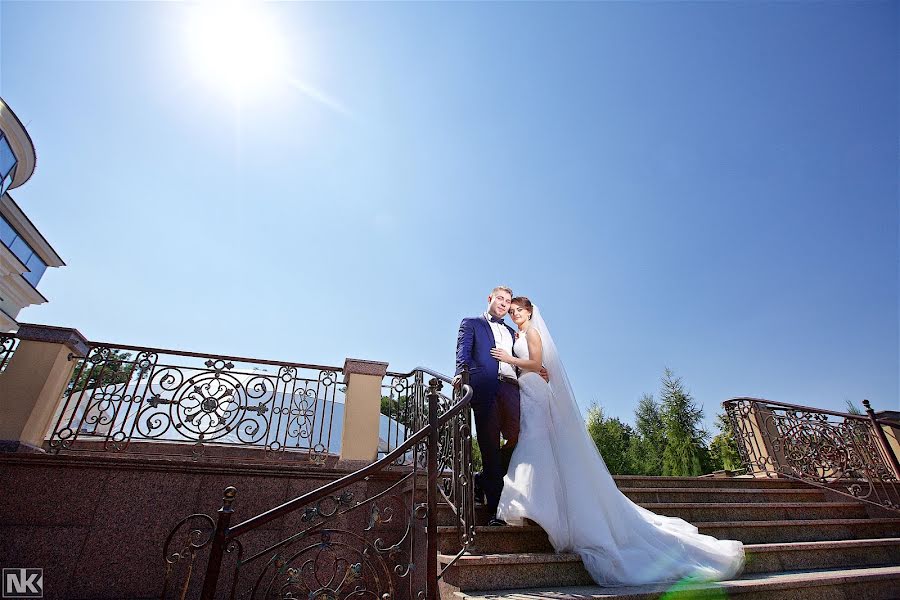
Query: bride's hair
(524, 303)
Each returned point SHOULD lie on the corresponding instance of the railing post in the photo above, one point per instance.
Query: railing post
(432, 540)
(362, 409)
(211, 580)
(882, 439)
(33, 383)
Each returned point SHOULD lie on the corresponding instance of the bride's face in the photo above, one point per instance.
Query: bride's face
(518, 314)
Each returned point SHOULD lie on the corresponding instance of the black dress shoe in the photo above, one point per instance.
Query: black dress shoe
(495, 522)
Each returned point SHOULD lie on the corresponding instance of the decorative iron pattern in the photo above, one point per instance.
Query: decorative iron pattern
(177, 402)
(402, 410)
(8, 343)
(455, 467)
(357, 537)
(840, 451)
(363, 546)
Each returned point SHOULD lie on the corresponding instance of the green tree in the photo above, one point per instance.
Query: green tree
(723, 449)
(397, 409)
(477, 463)
(612, 438)
(853, 409)
(645, 450)
(114, 368)
(685, 452)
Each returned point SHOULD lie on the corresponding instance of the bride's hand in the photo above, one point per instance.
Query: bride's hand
(501, 355)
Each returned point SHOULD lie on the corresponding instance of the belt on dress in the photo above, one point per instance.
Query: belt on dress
(508, 379)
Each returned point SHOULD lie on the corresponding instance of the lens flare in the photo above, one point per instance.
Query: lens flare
(237, 46)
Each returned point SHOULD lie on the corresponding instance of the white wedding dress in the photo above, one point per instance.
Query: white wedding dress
(558, 479)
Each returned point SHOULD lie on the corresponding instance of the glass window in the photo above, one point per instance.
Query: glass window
(21, 249)
(7, 233)
(7, 158)
(36, 268)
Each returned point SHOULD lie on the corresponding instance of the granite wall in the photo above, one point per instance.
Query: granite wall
(97, 524)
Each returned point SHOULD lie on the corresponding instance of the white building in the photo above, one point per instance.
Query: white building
(24, 253)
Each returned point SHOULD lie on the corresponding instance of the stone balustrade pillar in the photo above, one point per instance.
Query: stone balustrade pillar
(764, 449)
(362, 408)
(33, 384)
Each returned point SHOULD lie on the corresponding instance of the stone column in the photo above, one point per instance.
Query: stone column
(362, 408)
(33, 383)
(890, 424)
(765, 451)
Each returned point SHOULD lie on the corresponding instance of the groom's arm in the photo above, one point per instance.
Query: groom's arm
(464, 342)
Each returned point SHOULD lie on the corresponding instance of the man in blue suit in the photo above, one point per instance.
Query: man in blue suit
(495, 399)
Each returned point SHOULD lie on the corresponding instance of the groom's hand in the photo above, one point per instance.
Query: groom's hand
(457, 382)
(545, 374)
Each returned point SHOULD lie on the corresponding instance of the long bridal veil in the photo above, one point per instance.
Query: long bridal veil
(619, 542)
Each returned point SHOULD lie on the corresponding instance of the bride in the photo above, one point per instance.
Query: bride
(558, 479)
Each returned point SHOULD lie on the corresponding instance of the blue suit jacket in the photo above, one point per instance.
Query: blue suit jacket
(473, 350)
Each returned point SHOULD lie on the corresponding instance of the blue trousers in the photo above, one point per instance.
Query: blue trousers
(498, 415)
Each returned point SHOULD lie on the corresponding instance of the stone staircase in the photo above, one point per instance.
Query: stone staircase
(802, 543)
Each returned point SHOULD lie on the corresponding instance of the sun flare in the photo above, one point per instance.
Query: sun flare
(237, 46)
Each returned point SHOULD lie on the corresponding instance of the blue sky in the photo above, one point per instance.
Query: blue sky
(711, 187)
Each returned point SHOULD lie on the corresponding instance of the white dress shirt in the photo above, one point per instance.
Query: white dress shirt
(502, 339)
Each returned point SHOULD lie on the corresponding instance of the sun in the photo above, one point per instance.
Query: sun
(236, 46)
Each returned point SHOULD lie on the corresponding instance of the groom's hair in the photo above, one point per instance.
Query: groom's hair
(502, 288)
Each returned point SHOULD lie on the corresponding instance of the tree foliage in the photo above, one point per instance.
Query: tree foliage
(723, 449)
(612, 438)
(115, 368)
(646, 448)
(686, 451)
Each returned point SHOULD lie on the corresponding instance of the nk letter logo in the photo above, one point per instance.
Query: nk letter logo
(23, 583)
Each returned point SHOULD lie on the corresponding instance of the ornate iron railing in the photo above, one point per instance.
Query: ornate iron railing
(403, 409)
(8, 343)
(156, 401)
(847, 453)
(349, 538)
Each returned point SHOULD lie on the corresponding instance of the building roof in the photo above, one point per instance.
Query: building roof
(20, 142)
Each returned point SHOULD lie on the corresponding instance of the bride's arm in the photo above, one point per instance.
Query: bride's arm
(535, 350)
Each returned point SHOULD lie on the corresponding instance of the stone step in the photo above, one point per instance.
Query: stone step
(632, 481)
(523, 570)
(446, 516)
(801, 530)
(795, 556)
(531, 538)
(699, 512)
(497, 540)
(535, 569)
(873, 583)
(642, 495)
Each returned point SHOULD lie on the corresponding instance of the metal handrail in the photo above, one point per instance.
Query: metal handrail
(800, 442)
(805, 408)
(121, 398)
(189, 354)
(224, 535)
(426, 370)
(316, 495)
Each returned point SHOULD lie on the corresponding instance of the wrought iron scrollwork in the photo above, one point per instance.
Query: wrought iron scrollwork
(843, 452)
(355, 538)
(8, 343)
(120, 395)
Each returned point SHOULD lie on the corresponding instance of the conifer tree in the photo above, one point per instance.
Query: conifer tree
(685, 448)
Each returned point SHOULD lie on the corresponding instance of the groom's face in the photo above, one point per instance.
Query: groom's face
(498, 303)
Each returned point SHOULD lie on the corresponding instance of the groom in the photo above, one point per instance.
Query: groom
(495, 399)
